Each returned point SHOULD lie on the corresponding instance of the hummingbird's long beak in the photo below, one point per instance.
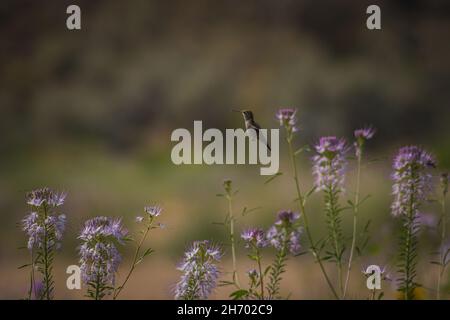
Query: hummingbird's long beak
(234, 110)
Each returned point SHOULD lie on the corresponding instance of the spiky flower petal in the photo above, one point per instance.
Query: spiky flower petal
(361, 136)
(45, 196)
(285, 234)
(99, 256)
(287, 118)
(153, 211)
(329, 164)
(200, 271)
(412, 182)
(254, 237)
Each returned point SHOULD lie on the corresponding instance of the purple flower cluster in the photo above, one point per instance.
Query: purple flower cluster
(287, 118)
(330, 163)
(45, 196)
(361, 136)
(412, 182)
(151, 213)
(99, 257)
(254, 237)
(200, 272)
(365, 133)
(284, 234)
(41, 223)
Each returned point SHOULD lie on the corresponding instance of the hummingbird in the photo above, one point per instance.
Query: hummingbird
(250, 123)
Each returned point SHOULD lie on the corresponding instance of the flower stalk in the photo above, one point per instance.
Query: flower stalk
(443, 251)
(287, 118)
(151, 214)
(231, 219)
(361, 135)
(45, 231)
(412, 184)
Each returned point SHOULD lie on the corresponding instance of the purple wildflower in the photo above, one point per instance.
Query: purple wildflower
(252, 273)
(412, 182)
(287, 118)
(41, 223)
(99, 257)
(38, 290)
(365, 133)
(254, 237)
(45, 230)
(361, 136)
(153, 211)
(287, 217)
(330, 163)
(284, 234)
(45, 196)
(200, 272)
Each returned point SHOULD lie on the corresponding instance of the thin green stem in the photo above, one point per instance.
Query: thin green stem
(46, 257)
(261, 275)
(373, 294)
(135, 259)
(32, 282)
(441, 249)
(232, 239)
(301, 207)
(409, 257)
(332, 209)
(97, 288)
(355, 215)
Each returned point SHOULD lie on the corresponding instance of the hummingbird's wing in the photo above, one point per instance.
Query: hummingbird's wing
(256, 127)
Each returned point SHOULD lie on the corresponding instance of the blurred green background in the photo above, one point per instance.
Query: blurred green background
(90, 112)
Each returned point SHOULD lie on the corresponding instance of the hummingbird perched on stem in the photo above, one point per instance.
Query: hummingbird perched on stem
(250, 123)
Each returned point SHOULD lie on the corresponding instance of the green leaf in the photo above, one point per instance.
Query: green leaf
(310, 192)
(236, 295)
(224, 283)
(374, 160)
(273, 177)
(302, 149)
(253, 257)
(364, 199)
(147, 252)
(267, 270)
(246, 211)
(301, 253)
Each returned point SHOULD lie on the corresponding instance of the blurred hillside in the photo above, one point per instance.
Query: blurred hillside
(143, 68)
(91, 112)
